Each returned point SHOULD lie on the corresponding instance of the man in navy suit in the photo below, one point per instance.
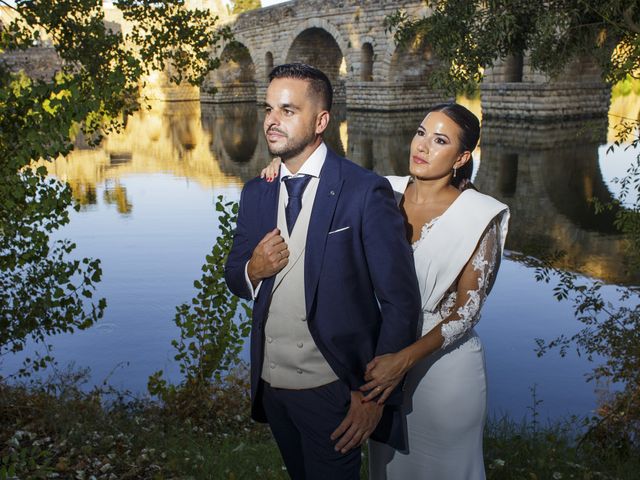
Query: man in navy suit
(322, 251)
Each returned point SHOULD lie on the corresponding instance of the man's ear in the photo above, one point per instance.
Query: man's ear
(322, 121)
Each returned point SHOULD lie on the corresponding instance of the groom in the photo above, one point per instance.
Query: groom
(322, 252)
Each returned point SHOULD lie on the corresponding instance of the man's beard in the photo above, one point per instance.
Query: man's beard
(291, 148)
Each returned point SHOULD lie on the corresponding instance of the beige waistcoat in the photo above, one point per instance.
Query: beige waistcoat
(291, 358)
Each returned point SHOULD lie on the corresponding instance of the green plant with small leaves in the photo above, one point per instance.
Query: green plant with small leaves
(212, 326)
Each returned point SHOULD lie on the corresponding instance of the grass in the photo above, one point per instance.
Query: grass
(55, 430)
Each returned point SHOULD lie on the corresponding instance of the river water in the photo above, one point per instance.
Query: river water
(148, 195)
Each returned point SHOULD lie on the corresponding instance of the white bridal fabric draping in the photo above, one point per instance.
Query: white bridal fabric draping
(446, 393)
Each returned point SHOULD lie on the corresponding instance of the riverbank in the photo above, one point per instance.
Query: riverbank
(56, 430)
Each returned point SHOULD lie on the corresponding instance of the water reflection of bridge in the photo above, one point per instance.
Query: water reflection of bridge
(546, 172)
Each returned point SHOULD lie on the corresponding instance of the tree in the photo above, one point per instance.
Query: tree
(468, 36)
(43, 290)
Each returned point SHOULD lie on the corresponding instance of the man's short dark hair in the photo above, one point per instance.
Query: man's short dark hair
(318, 81)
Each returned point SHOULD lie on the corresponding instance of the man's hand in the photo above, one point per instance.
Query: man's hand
(269, 257)
(358, 425)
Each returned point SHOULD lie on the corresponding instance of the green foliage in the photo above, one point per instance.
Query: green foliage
(55, 429)
(469, 36)
(240, 6)
(211, 334)
(42, 290)
(625, 87)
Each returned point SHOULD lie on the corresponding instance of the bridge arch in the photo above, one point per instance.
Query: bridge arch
(320, 44)
(408, 63)
(235, 79)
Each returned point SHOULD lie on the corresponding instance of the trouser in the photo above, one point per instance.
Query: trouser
(302, 422)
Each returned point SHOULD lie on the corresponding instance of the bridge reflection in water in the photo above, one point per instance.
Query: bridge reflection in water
(548, 173)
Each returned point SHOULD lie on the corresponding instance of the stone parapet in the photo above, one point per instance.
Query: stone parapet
(548, 135)
(38, 62)
(389, 96)
(239, 93)
(533, 101)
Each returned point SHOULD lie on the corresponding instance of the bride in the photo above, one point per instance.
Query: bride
(458, 237)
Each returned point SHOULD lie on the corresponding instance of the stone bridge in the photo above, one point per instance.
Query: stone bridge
(344, 38)
(347, 39)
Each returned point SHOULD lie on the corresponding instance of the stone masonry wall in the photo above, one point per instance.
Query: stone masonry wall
(544, 101)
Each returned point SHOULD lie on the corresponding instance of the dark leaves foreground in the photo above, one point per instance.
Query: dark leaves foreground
(44, 290)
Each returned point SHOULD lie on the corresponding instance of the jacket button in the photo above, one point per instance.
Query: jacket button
(269, 339)
(272, 365)
(300, 344)
(299, 370)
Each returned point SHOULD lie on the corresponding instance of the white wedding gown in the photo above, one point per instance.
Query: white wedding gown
(446, 393)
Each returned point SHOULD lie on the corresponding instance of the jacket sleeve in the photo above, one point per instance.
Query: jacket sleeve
(390, 261)
(240, 253)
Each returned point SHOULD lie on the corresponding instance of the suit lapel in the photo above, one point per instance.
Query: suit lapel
(269, 216)
(324, 207)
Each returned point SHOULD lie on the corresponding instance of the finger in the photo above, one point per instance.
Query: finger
(346, 438)
(371, 365)
(269, 236)
(356, 442)
(370, 386)
(280, 246)
(341, 428)
(386, 394)
(353, 442)
(276, 240)
(370, 396)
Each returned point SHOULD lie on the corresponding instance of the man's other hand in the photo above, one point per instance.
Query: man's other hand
(358, 425)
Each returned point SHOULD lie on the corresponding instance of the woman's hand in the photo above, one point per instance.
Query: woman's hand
(383, 375)
(270, 172)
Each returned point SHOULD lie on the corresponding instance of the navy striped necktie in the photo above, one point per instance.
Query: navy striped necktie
(295, 189)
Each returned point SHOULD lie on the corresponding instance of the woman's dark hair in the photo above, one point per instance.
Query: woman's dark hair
(469, 135)
(318, 81)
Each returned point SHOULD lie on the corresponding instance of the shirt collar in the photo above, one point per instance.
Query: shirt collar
(312, 166)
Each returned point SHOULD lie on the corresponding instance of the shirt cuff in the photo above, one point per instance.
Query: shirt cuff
(254, 292)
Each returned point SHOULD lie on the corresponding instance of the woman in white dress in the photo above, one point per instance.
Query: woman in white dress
(458, 237)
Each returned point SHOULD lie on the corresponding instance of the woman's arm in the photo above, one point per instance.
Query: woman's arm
(385, 372)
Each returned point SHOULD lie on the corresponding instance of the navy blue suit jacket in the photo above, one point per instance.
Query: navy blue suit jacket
(361, 292)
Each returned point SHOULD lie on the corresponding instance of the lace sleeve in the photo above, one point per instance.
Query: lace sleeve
(473, 286)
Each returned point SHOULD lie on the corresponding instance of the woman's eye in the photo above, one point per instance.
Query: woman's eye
(420, 133)
(440, 141)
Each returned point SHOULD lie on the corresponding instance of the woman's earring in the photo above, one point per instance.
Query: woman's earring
(454, 172)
